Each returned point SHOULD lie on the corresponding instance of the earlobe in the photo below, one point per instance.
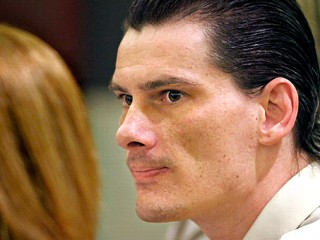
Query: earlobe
(279, 109)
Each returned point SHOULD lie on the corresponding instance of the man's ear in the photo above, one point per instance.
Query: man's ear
(279, 102)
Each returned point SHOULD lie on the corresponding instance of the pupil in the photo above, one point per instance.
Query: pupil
(174, 96)
(128, 99)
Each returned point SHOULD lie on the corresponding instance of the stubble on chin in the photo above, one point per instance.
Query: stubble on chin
(159, 212)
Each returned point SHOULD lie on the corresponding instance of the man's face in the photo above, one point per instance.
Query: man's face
(189, 133)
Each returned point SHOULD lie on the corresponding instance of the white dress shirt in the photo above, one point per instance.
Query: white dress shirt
(292, 214)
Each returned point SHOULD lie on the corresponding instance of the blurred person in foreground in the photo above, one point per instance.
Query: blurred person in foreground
(49, 184)
(220, 117)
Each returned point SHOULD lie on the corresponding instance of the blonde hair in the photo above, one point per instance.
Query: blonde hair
(49, 184)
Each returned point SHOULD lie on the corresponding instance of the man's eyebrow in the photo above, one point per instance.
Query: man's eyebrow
(155, 84)
(166, 82)
(115, 87)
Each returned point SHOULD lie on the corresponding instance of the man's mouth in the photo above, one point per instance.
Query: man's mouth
(145, 174)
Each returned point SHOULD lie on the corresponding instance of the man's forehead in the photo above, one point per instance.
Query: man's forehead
(180, 32)
(181, 39)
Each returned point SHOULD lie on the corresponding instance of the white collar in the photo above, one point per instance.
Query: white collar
(292, 204)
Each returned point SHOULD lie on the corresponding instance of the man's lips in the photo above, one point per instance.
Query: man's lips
(147, 169)
(141, 174)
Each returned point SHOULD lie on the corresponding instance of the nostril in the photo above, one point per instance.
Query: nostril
(135, 144)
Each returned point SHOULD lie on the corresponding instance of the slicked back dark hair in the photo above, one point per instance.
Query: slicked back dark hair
(256, 41)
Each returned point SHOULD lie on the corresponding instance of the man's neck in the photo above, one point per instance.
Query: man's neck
(238, 217)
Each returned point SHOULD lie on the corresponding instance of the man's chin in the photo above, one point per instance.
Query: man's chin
(158, 213)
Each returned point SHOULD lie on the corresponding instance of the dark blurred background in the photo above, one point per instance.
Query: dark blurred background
(87, 33)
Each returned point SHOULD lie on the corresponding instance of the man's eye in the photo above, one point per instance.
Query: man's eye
(126, 100)
(173, 95)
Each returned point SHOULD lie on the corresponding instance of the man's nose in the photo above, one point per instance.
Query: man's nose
(136, 131)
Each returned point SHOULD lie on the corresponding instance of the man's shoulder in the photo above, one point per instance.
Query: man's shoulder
(310, 231)
(309, 228)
